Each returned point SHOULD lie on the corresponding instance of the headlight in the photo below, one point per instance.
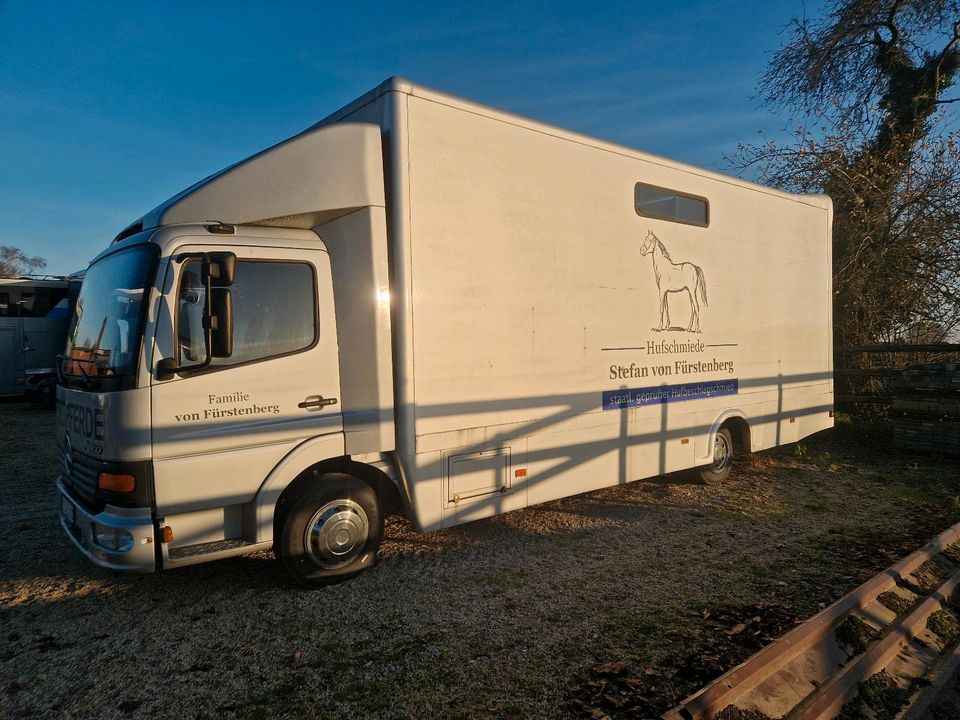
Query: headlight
(113, 539)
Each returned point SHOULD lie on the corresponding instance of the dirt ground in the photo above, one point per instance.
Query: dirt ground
(617, 603)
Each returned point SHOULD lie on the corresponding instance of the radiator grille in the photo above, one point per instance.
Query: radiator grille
(80, 477)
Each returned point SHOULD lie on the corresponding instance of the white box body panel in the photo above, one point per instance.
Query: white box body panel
(523, 297)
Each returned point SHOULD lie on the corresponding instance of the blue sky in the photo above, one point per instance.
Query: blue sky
(107, 109)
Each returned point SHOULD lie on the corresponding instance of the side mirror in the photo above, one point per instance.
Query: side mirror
(218, 269)
(167, 368)
(217, 273)
(221, 322)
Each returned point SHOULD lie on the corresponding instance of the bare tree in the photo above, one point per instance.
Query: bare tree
(14, 262)
(869, 82)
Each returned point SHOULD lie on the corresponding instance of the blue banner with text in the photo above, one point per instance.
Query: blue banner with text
(619, 399)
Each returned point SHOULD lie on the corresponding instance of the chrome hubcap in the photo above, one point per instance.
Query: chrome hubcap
(721, 452)
(336, 534)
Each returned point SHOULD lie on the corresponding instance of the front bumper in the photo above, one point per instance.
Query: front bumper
(137, 523)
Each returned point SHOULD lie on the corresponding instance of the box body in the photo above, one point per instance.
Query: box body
(531, 358)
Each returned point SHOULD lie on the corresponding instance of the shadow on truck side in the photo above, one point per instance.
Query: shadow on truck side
(554, 462)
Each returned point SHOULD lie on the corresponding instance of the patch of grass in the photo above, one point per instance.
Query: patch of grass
(504, 579)
(254, 712)
(854, 635)
(952, 553)
(734, 713)
(287, 688)
(882, 695)
(506, 709)
(853, 710)
(818, 506)
(931, 575)
(759, 461)
(849, 536)
(825, 460)
(808, 456)
(863, 431)
(627, 626)
(701, 644)
(945, 626)
(374, 694)
(896, 603)
(931, 486)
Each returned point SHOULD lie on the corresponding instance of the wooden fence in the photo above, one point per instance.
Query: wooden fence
(916, 386)
(865, 373)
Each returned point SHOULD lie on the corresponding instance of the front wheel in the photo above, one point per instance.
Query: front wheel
(332, 530)
(718, 471)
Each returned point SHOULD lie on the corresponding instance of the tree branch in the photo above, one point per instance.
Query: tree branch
(942, 56)
(891, 24)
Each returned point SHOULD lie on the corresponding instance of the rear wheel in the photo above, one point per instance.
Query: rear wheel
(331, 530)
(718, 471)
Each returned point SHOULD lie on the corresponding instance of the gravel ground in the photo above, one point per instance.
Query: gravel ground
(619, 602)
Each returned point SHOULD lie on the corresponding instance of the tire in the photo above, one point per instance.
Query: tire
(48, 394)
(719, 470)
(331, 530)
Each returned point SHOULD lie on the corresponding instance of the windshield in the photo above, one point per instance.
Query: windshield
(105, 334)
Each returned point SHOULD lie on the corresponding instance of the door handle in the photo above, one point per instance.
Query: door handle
(316, 402)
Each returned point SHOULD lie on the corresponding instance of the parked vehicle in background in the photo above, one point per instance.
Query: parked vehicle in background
(34, 316)
(424, 305)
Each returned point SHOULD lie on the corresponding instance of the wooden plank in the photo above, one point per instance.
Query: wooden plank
(900, 348)
(878, 399)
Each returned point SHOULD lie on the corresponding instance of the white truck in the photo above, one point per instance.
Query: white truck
(34, 317)
(427, 306)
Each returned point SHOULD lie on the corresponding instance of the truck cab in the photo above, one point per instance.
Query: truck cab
(201, 385)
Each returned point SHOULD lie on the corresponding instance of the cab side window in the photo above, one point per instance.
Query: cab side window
(274, 311)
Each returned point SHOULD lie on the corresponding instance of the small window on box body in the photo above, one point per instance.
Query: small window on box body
(666, 204)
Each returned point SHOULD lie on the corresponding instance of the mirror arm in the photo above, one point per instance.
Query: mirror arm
(208, 320)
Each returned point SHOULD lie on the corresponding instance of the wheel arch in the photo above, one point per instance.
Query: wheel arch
(736, 422)
(304, 464)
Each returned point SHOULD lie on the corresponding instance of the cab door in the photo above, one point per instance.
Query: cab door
(218, 431)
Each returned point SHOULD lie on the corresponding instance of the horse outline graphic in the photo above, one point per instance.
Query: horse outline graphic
(675, 277)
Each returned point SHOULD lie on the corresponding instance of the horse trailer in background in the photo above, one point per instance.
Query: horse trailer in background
(34, 315)
(428, 306)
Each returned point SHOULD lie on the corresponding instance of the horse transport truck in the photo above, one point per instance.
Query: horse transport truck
(34, 318)
(426, 306)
